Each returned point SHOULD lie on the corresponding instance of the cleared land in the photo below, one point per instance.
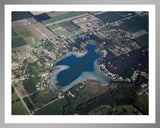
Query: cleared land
(109, 17)
(27, 35)
(18, 41)
(143, 40)
(40, 31)
(52, 14)
(70, 26)
(62, 17)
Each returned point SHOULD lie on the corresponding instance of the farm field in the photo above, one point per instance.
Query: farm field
(109, 17)
(136, 23)
(52, 14)
(143, 40)
(20, 15)
(70, 26)
(17, 107)
(55, 108)
(62, 17)
(18, 41)
(54, 26)
(60, 32)
(27, 35)
(40, 31)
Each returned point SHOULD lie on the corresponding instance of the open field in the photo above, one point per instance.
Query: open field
(57, 13)
(139, 33)
(143, 40)
(18, 41)
(55, 108)
(136, 23)
(62, 17)
(109, 17)
(40, 31)
(70, 26)
(27, 35)
(17, 107)
(59, 32)
(20, 15)
(54, 26)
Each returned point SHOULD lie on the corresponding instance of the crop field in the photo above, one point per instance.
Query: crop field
(20, 15)
(55, 108)
(18, 41)
(62, 17)
(143, 40)
(40, 31)
(54, 26)
(136, 23)
(109, 17)
(57, 13)
(60, 32)
(124, 14)
(17, 107)
(70, 26)
(27, 35)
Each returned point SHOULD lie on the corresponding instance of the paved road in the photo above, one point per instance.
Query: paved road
(23, 103)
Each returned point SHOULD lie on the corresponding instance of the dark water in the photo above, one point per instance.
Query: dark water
(77, 65)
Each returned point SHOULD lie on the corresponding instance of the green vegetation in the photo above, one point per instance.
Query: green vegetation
(136, 23)
(55, 108)
(20, 15)
(44, 96)
(70, 26)
(109, 17)
(30, 84)
(65, 33)
(62, 17)
(17, 42)
(54, 26)
(17, 107)
(29, 103)
(27, 35)
(126, 64)
(143, 40)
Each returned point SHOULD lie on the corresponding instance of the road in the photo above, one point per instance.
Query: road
(23, 103)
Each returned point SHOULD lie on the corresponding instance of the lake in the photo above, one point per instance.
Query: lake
(78, 67)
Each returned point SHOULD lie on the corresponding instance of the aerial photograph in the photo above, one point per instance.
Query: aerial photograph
(80, 63)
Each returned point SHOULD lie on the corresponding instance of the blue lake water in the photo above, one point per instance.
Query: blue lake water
(77, 66)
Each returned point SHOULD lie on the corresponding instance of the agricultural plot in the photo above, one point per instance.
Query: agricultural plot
(52, 14)
(143, 40)
(136, 23)
(17, 107)
(70, 26)
(20, 15)
(52, 27)
(55, 108)
(60, 32)
(18, 41)
(27, 35)
(126, 13)
(109, 17)
(62, 17)
(42, 17)
(40, 31)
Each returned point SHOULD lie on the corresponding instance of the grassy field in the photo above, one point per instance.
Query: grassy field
(40, 31)
(57, 13)
(54, 26)
(18, 41)
(17, 107)
(70, 26)
(62, 17)
(143, 40)
(59, 32)
(27, 35)
(136, 23)
(109, 17)
(55, 108)
(20, 15)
